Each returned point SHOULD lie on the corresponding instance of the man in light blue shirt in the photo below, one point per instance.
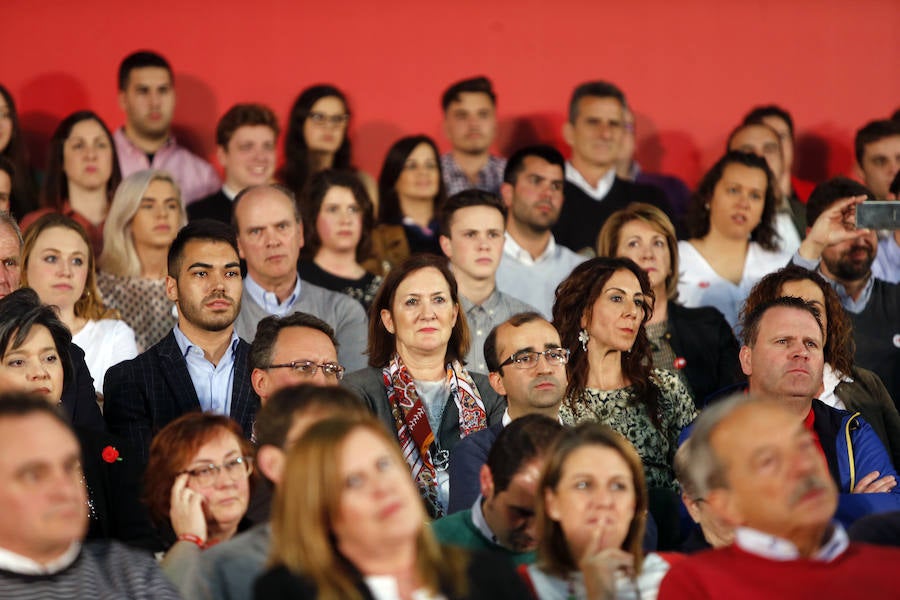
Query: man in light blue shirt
(270, 237)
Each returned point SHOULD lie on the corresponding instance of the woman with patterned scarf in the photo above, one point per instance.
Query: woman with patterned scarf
(416, 382)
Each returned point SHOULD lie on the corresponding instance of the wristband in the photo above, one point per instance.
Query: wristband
(194, 539)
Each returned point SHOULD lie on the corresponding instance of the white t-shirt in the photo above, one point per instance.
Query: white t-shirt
(105, 342)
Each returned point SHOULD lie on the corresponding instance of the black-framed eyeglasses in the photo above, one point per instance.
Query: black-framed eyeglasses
(526, 359)
(235, 469)
(308, 368)
(321, 119)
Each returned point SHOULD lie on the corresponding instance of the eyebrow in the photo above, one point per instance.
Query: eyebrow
(206, 461)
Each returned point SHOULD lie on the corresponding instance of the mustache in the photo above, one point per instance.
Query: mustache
(810, 483)
(218, 296)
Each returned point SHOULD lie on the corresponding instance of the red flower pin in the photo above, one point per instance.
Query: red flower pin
(679, 363)
(110, 454)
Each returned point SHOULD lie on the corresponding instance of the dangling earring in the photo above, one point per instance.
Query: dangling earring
(583, 337)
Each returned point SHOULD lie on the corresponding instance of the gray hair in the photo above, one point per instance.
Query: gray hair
(706, 471)
(7, 219)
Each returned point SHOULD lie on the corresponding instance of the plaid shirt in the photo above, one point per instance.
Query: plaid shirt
(489, 178)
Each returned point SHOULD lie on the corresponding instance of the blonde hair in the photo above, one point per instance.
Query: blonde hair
(119, 256)
(89, 305)
(308, 501)
(608, 239)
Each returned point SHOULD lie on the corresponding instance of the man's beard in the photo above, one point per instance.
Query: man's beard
(847, 269)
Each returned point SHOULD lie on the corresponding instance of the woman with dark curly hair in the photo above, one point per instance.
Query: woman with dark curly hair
(844, 385)
(600, 311)
(316, 138)
(733, 240)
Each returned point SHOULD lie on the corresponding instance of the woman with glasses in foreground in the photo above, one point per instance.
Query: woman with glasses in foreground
(197, 487)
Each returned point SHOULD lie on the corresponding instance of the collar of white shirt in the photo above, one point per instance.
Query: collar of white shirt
(16, 563)
(597, 192)
(776, 548)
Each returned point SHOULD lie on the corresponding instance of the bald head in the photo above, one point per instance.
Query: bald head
(269, 234)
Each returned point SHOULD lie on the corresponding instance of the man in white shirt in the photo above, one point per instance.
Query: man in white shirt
(533, 264)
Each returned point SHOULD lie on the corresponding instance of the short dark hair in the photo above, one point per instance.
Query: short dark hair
(491, 358)
(698, 217)
(525, 439)
(872, 132)
(594, 89)
(467, 199)
(751, 123)
(15, 405)
(244, 115)
(473, 85)
(758, 113)
(268, 329)
(275, 419)
(141, 60)
(750, 324)
(202, 229)
(516, 163)
(828, 192)
(20, 310)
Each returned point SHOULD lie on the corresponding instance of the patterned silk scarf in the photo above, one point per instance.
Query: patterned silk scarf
(413, 430)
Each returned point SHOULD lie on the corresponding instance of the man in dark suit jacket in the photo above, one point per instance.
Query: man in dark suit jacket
(246, 137)
(201, 364)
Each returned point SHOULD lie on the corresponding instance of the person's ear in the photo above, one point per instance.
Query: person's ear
(221, 155)
(446, 247)
(172, 289)
(507, 192)
(270, 460)
(551, 506)
(496, 381)
(259, 379)
(745, 355)
(486, 481)
(691, 507)
(568, 133)
(387, 320)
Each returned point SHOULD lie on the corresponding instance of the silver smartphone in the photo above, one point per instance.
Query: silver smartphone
(878, 215)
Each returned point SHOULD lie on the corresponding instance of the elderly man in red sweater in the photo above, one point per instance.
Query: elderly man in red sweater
(767, 478)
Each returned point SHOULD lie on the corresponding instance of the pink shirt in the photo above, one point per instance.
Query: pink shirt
(196, 177)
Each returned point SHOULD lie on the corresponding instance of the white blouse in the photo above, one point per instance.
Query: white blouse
(106, 342)
(700, 285)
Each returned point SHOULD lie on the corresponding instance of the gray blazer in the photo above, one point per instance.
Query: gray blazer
(369, 386)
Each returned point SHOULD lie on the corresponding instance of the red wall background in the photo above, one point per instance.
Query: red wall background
(690, 68)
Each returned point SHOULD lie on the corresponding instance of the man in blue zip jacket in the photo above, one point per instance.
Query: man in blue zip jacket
(783, 359)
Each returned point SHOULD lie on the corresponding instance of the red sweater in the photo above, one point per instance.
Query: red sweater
(862, 571)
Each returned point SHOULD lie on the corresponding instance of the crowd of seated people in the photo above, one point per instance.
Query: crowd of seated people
(476, 377)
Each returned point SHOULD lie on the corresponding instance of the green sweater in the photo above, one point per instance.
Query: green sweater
(459, 530)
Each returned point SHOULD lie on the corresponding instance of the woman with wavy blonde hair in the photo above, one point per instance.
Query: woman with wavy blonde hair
(348, 523)
(144, 217)
(58, 264)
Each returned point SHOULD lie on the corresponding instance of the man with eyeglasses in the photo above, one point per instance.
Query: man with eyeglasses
(246, 137)
(296, 349)
(527, 365)
(595, 130)
(270, 236)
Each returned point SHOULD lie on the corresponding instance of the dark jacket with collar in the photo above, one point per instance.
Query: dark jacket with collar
(216, 206)
(703, 338)
(144, 394)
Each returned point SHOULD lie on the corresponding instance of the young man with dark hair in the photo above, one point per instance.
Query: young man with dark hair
(202, 363)
(472, 224)
(877, 149)
(470, 122)
(292, 350)
(595, 131)
(246, 138)
(270, 236)
(147, 95)
(44, 517)
(844, 256)
(503, 517)
(533, 264)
